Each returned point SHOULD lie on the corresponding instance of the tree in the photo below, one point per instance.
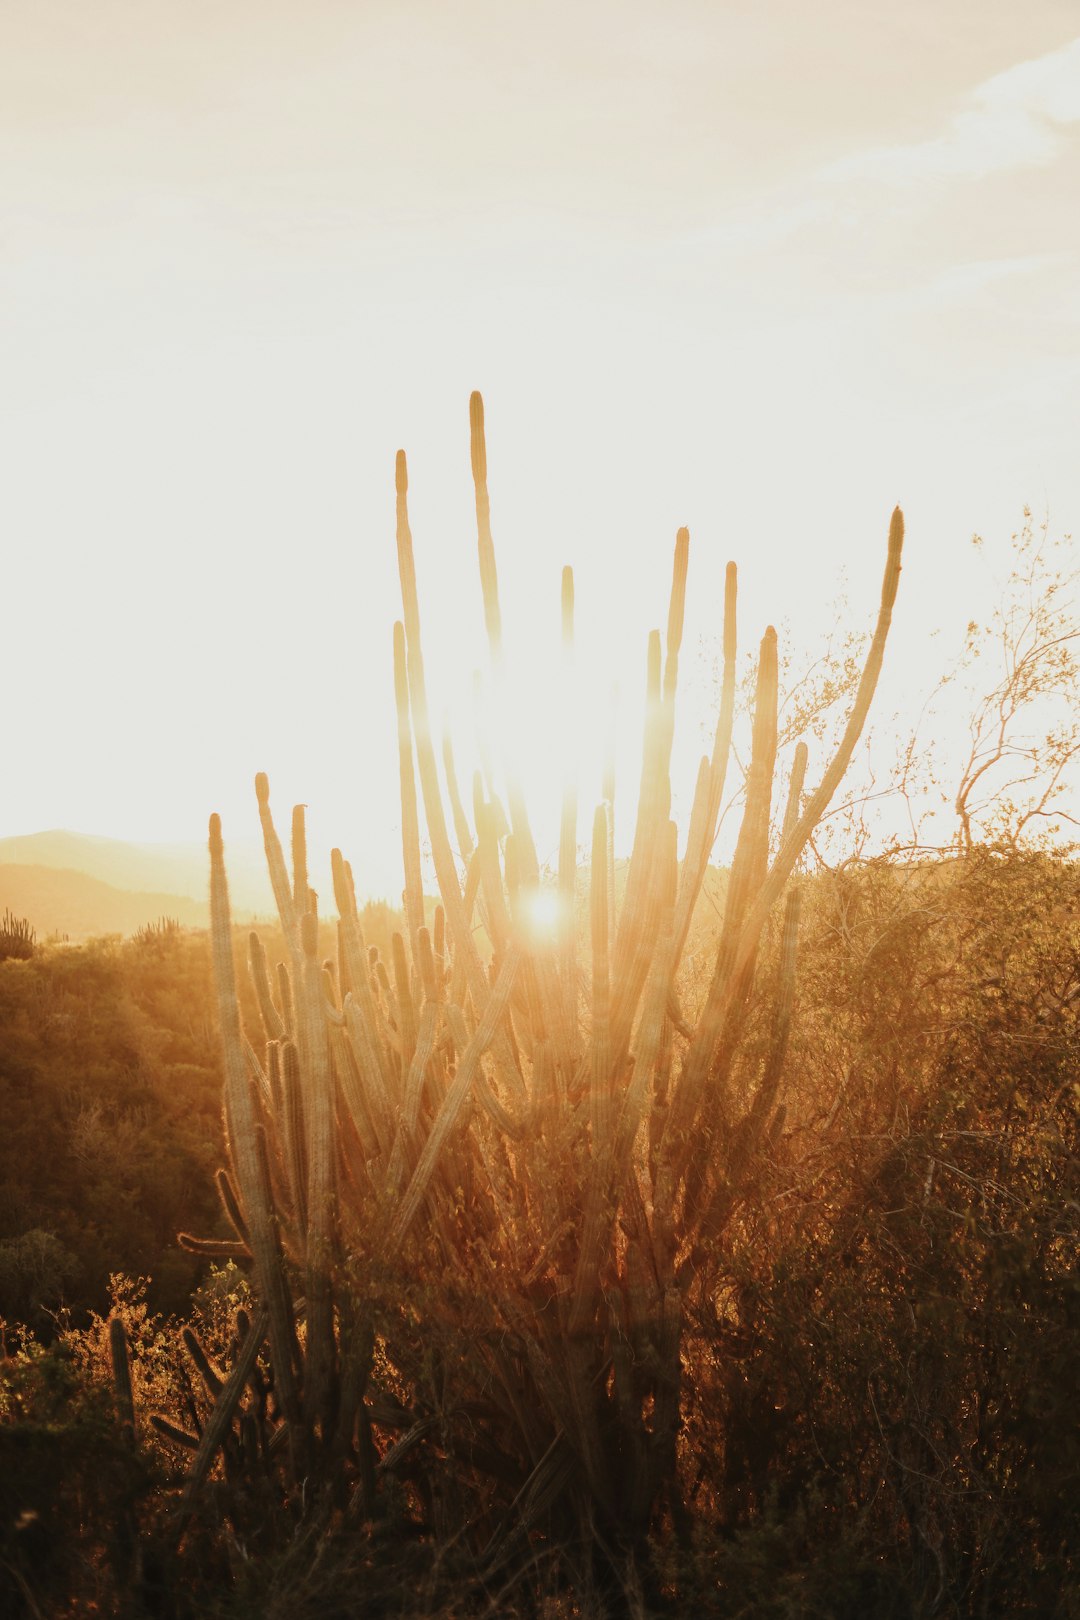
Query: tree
(1025, 729)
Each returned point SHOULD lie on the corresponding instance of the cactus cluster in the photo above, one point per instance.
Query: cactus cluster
(534, 1133)
(160, 934)
(17, 937)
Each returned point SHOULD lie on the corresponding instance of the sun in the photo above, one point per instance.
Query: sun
(542, 915)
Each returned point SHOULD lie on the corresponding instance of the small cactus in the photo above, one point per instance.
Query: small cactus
(17, 938)
(157, 936)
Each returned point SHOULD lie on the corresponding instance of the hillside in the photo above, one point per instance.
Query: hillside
(70, 903)
(144, 869)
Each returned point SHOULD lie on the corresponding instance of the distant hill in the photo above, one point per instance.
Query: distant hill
(155, 869)
(59, 902)
(82, 885)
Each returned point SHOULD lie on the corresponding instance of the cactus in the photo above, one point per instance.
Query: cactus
(258, 1218)
(569, 818)
(546, 1138)
(121, 1372)
(410, 827)
(17, 938)
(159, 935)
(273, 1023)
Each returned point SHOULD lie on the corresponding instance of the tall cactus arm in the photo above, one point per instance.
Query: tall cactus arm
(772, 1073)
(461, 820)
(464, 1081)
(654, 799)
(410, 825)
(748, 1133)
(489, 585)
(403, 999)
(360, 1012)
(747, 871)
(601, 1103)
(726, 717)
(301, 888)
(650, 1029)
(121, 1374)
(569, 817)
(244, 1146)
(294, 1131)
(496, 915)
(676, 614)
(796, 841)
(636, 882)
(285, 999)
(275, 861)
(705, 814)
(442, 855)
(489, 578)
(445, 869)
(231, 1205)
(221, 1418)
(272, 1020)
(322, 1190)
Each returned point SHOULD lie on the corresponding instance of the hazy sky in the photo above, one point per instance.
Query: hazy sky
(764, 269)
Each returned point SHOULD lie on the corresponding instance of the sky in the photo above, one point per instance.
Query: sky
(762, 269)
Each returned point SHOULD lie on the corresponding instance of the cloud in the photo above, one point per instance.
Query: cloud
(1019, 119)
(961, 284)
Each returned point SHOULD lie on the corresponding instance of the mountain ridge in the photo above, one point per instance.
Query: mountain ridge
(167, 869)
(72, 905)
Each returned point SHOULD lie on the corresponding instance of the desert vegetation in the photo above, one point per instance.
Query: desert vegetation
(556, 1270)
(17, 937)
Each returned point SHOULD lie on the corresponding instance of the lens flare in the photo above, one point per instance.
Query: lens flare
(541, 914)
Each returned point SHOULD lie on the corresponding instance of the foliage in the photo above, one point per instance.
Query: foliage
(110, 1090)
(35, 1274)
(878, 1362)
(70, 1485)
(897, 1302)
(677, 1284)
(110, 1084)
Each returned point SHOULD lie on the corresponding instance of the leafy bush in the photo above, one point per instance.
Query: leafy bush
(110, 1093)
(70, 1488)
